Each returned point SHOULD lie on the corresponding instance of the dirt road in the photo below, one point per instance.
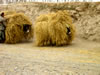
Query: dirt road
(80, 58)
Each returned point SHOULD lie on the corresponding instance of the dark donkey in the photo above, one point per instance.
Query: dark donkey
(2, 28)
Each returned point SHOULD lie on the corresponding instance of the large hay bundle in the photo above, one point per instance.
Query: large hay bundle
(54, 29)
(18, 27)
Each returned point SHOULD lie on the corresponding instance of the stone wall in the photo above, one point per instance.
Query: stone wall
(86, 16)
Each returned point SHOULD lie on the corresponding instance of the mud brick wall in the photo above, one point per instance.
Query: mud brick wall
(86, 16)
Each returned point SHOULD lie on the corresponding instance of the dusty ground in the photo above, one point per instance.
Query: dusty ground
(80, 58)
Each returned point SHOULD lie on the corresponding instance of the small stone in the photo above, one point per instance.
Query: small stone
(78, 9)
(81, 13)
(73, 12)
(98, 7)
(77, 15)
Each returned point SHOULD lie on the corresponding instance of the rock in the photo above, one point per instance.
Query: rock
(79, 9)
(98, 7)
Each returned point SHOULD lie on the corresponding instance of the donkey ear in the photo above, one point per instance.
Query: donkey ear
(2, 14)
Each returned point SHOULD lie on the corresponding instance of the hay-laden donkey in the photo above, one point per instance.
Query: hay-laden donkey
(55, 29)
(18, 27)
